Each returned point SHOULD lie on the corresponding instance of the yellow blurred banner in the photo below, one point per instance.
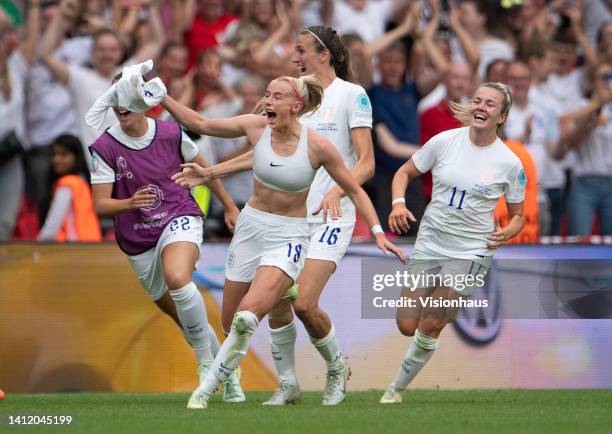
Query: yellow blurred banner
(75, 318)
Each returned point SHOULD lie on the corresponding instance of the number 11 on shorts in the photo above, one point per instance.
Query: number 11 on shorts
(296, 250)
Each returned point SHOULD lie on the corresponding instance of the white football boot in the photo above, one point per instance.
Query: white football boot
(335, 384)
(392, 395)
(285, 393)
(232, 391)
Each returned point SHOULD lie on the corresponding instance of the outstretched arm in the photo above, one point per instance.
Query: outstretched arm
(231, 210)
(53, 37)
(197, 174)
(229, 127)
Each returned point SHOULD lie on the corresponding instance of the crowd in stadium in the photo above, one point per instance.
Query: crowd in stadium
(413, 57)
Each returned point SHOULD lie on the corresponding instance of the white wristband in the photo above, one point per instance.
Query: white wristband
(377, 229)
(398, 200)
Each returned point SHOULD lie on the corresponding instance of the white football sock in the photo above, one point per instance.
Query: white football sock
(191, 311)
(282, 344)
(328, 348)
(231, 352)
(419, 352)
(214, 341)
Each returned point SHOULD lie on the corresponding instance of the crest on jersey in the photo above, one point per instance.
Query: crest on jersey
(122, 170)
(486, 176)
(363, 102)
(159, 196)
(522, 178)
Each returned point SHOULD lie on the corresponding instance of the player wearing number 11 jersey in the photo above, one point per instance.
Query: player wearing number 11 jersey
(471, 168)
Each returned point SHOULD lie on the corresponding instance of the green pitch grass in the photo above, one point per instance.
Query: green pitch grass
(423, 411)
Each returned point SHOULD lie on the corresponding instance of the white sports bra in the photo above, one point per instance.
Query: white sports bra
(292, 174)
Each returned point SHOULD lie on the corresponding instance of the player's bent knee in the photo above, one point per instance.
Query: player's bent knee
(304, 309)
(175, 281)
(244, 323)
(432, 326)
(284, 316)
(407, 327)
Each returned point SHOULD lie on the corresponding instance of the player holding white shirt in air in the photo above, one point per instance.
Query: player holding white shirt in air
(345, 119)
(472, 168)
(159, 227)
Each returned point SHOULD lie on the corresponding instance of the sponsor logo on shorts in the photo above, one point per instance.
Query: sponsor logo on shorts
(95, 163)
(231, 259)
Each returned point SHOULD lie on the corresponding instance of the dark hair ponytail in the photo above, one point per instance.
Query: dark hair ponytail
(324, 37)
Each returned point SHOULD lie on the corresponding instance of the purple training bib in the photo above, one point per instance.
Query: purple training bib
(138, 231)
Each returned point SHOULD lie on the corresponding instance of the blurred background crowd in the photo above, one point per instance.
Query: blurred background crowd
(412, 56)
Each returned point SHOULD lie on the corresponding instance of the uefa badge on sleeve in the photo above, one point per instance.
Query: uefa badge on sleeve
(522, 178)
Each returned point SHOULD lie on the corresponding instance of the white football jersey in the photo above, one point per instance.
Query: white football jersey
(468, 180)
(345, 106)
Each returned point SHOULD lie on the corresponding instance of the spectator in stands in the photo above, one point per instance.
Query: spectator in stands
(367, 18)
(473, 16)
(171, 68)
(208, 88)
(604, 42)
(71, 216)
(250, 90)
(394, 103)
(49, 109)
(199, 27)
(86, 84)
(13, 69)
(496, 71)
(534, 125)
(591, 189)
(469, 55)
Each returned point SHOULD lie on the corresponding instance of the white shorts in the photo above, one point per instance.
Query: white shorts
(463, 275)
(264, 239)
(148, 265)
(330, 241)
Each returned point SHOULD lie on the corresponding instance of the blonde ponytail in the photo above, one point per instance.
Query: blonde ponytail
(312, 92)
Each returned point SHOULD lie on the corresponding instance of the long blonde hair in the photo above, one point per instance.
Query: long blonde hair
(461, 112)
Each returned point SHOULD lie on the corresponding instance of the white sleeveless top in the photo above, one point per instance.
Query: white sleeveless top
(292, 174)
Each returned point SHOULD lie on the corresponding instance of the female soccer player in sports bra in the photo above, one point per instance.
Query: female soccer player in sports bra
(272, 233)
(345, 119)
(471, 169)
(157, 223)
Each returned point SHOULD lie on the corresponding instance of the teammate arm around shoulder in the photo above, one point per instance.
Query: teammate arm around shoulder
(106, 206)
(329, 158)
(400, 217)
